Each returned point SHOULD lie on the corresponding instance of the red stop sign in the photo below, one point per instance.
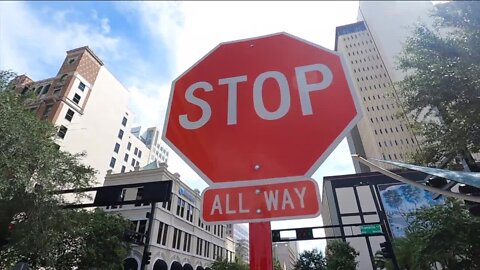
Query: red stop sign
(262, 108)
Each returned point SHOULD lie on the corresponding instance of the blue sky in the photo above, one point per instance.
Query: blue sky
(148, 44)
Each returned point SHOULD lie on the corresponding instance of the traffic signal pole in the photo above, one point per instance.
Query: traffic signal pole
(146, 248)
(260, 237)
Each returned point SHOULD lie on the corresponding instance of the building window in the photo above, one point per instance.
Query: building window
(116, 148)
(76, 98)
(124, 121)
(139, 196)
(180, 207)
(162, 234)
(136, 151)
(139, 153)
(133, 162)
(81, 86)
(167, 205)
(125, 158)
(177, 238)
(112, 162)
(120, 134)
(47, 110)
(71, 61)
(62, 131)
(186, 241)
(69, 115)
(123, 169)
(142, 226)
(129, 145)
(45, 89)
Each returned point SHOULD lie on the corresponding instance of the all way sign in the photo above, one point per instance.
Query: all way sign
(261, 202)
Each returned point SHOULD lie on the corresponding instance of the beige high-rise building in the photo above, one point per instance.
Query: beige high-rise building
(370, 47)
(382, 133)
(89, 106)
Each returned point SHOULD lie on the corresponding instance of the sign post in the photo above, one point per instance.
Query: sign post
(255, 118)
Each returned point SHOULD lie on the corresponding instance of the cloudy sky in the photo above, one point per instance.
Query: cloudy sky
(148, 44)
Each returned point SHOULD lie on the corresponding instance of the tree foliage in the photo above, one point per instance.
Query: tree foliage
(310, 260)
(340, 255)
(31, 167)
(443, 67)
(277, 265)
(445, 235)
(220, 264)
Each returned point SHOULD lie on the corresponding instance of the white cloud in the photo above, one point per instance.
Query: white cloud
(28, 43)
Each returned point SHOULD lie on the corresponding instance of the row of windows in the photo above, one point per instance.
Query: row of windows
(181, 240)
(367, 69)
(354, 36)
(375, 87)
(181, 206)
(390, 156)
(378, 109)
(370, 50)
(386, 119)
(396, 142)
(371, 77)
(363, 43)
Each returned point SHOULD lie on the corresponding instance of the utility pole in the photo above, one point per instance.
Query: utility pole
(146, 249)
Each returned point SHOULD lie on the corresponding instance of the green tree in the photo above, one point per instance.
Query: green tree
(220, 264)
(277, 265)
(340, 255)
(31, 166)
(442, 64)
(310, 260)
(446, 234)
(405, 252)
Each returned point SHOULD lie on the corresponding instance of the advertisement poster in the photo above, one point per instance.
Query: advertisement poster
(399, 200)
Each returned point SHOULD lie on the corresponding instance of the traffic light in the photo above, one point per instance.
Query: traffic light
(146, 257)
(275, 236)
(473, 207)
(304, 233)
(387, 250)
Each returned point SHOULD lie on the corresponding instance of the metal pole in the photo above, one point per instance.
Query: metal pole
(147, 237)
(260, 236)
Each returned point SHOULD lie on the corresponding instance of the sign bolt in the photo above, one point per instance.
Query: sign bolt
(257, 191)
(257, 167)
(259, 211)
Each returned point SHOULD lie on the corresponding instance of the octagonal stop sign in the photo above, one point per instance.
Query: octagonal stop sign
(261, 108)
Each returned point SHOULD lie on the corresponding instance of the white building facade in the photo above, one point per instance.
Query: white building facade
(179, 239)
(89, 106)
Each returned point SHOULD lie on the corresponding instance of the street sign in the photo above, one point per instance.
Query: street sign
(284, 200)
(370, 229)
(259, 109)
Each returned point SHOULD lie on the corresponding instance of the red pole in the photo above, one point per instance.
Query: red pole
(260, 238)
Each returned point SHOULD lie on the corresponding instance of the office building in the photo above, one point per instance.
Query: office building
(179, 238)
(370, 47)
(286, 253)
(89, 106)
(239, 232)
(366, 198)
